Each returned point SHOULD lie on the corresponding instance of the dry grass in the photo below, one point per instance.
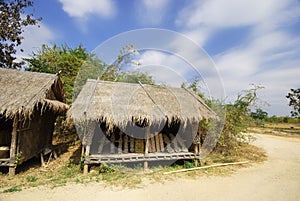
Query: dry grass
(62, 171)
(278, 129)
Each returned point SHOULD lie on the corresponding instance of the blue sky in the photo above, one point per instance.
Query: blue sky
(249, 41)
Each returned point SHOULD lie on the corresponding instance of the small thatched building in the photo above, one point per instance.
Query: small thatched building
(125, 122)
(29, 105)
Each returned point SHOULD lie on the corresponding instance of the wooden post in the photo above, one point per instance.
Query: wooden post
(126, 144)
(161, 141)
(86, 166)
(42, 160)
(112, 144)
(146, 146)
(120, 143)
(157, 142)
(131, 139)
(13, 146)
(196, 152)
(152, 145)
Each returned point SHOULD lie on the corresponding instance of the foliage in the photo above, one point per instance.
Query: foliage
(237, 115)
(59, 59)
(294, 97)
(188, 164)
(105, 169)
(193, 85)
(135, 77)
(13, 189)
(282, 119)
(31, 178)
(13, 20)
(77, 65)
(259, 114)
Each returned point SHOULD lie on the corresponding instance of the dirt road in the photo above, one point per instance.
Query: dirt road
(276, 179)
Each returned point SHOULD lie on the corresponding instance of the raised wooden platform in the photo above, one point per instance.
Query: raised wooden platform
(138, 157)
(4, 161)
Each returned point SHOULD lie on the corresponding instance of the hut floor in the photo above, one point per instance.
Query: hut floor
(136, 157)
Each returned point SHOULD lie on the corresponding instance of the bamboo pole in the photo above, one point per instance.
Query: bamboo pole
(146, 146)
(86, 166)
(120, 143)
(157, 145)
(161, 141)
(209, 166)
(126, 144)
(131, 140)
(13, 146)
(152, 145)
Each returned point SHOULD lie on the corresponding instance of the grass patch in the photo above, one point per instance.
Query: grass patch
(12, 189)
(62, 171)
(31, 178)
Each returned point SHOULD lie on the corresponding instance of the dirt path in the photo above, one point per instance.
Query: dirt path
(276, 179)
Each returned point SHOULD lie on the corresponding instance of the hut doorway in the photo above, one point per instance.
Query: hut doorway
(6, 126)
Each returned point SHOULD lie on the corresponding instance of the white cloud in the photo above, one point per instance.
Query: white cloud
(83, 8)
(270, 60)
(34, 38)
(268, 55)
(152, 12)
(165, 68)
(200, 19)
(231, 13)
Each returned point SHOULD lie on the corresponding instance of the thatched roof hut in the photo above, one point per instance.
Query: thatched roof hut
(119, 104)
(29, 105)
(113, 108)
(22, 91)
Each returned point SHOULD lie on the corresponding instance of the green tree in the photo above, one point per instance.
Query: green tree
(61, 59)
(135, 77)
(237, 116)
(294, 97)
(77, 65)
(13, 20)
(259, 114)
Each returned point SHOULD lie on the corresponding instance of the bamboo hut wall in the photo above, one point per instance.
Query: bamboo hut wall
(35, 134)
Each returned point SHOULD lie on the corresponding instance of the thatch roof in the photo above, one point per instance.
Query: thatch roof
(120, 104)
(22, 91)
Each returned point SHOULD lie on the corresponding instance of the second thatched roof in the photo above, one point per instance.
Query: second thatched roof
(120, 104)
(22, 91)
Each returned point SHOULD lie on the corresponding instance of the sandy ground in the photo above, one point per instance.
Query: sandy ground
(276, 179)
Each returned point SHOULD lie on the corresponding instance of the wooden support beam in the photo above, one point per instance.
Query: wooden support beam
(86, 166)
(120, 143)
(161, 141)
(157, 145)
(131, 141)
(112, 144)
(13, 146)
(42, 160)
(126, 144)
(147, 134)
(152, 145)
